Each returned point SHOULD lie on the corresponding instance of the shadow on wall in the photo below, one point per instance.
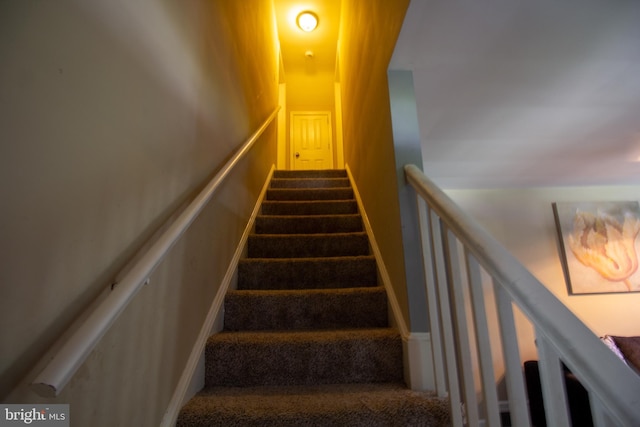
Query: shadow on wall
(121, 110)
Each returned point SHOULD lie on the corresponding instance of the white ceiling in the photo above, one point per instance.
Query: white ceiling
(294, 42)
(525, 93)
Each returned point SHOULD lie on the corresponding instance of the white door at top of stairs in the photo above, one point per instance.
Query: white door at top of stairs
(311, 142)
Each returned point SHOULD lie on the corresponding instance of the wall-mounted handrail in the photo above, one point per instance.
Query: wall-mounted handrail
(70, 356)
(561, 336)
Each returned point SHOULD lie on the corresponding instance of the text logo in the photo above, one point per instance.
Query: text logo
(34, 415)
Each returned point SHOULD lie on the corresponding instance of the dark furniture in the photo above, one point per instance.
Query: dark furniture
(626, 348)
(577, 397)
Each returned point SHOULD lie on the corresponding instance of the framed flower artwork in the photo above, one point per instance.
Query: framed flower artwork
(599, 246)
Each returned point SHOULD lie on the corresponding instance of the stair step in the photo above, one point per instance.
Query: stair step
(307, 273)
(244, 359)
(330, 207)
(354, 405)
(320, 173)
(307, 245)
(306, 309)
(306, 338)
(310, 183)
(309, 194)
(309, 224)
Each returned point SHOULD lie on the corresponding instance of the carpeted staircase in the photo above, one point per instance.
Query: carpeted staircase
(306, 340)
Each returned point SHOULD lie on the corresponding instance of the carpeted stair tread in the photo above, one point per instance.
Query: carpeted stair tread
(306, 338)
(307, 273)
(304, 358)
(354, 405)
(310, 207)
(309, 193)
(306, 309)
(310, 183)
(308, 224)
(315, 173)
(307, 245)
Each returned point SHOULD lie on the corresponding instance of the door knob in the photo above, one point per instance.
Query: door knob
(297, 155)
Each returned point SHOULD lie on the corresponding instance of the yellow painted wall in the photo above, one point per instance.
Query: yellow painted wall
(112, 114)
(367, 38)
(310, 92)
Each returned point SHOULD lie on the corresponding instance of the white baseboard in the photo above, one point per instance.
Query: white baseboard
(192, 378)
(418, 361)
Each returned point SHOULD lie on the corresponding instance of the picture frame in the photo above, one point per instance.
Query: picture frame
(598, 243)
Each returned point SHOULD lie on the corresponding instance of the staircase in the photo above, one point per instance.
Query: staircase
(306, 339)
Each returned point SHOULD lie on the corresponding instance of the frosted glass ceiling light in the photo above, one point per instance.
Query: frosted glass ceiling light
(307, 21)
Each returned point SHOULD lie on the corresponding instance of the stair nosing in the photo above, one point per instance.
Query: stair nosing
(241, 337)
(370, 289)
(301, 189)
(309, 201)
(339, 234)
(310, 216)
(306, 178)
(308, 259)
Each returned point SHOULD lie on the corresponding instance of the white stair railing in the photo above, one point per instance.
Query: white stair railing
(457, 255)
(96, 322)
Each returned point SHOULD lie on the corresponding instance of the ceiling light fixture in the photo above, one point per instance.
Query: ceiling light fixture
(307, 21)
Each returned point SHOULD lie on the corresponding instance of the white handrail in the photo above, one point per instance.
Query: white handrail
(599, 370)
(66, 361)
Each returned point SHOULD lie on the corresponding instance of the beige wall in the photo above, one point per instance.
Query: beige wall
(367, 38)
(522, 220)
(112, 114)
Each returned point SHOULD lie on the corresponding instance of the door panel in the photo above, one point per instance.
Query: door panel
(311, 145)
